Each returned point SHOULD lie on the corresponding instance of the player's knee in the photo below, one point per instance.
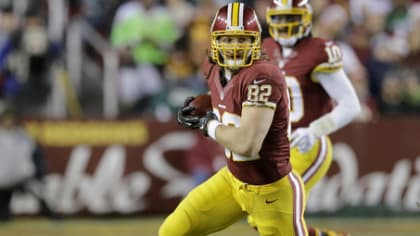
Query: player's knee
(176, 224)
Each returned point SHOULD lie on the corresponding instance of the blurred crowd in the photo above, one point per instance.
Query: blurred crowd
(161, 44)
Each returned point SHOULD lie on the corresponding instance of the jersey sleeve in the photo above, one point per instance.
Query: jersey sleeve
(261, 91)
(270, 49)
(329, 57)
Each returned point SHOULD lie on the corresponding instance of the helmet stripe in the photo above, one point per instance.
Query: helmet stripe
(235, 14)
(241, 15)
(303, 3)
(229, 15)
(284, 3)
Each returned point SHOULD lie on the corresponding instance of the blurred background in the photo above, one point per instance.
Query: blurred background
(89, 90)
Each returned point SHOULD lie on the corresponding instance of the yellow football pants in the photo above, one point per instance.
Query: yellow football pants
(313, 165)
(220, 201)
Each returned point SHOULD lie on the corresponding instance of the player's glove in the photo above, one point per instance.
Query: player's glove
(303, 139)
(204, 122)
(184, 116)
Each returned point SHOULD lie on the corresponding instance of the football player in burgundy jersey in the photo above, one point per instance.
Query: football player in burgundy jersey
(316, 80)
(250, 119)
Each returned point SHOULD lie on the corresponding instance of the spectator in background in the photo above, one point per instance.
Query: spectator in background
(411, 81)
(25, 60)
(183, 66)
(414, 30)
(182, 74)
(182, 12)
(179, 81)
(367, 20)
(395, 34)
(392, 94)
(197, 32)
(9, 85)
(400, 92)
(396, 20)
(317, 7)
(143, 32)
(370, 14)
(399, 86)
(412, 61)
(36, 49)
(21, 161)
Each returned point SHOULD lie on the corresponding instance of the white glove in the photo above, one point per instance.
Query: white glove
(303, 139)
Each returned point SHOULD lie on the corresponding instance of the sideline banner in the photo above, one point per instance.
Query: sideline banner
(128, 167)
(376, 166)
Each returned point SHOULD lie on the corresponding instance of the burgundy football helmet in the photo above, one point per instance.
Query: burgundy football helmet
(289, 20)
(235, 36)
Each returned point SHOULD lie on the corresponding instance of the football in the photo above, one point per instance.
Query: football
(202, 104)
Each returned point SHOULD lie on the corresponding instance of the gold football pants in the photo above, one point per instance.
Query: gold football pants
(277, 208)
(313, 165)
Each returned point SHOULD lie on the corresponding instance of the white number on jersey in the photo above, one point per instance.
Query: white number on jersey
(257, 93)
(333, 52)
(296, 99)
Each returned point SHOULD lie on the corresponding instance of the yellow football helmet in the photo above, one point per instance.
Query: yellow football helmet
(289, 20)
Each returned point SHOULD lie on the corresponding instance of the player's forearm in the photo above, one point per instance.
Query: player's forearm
(340, 116)
(238, 140)
(247, 137)
(348, 107)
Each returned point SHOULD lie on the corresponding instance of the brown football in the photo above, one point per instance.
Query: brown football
(202, 104)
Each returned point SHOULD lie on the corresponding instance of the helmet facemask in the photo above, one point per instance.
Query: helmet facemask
(288, 25)
(235, 48)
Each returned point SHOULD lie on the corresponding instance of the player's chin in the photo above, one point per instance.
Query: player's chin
(289, 42)
(231, 63)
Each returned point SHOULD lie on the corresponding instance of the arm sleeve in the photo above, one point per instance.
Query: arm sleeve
(340, 89)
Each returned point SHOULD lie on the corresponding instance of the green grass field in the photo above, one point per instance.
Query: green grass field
(148, 227)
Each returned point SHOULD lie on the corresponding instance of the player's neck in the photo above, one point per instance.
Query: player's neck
(226, 75)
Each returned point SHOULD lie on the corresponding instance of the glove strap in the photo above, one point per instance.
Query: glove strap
(211, 128)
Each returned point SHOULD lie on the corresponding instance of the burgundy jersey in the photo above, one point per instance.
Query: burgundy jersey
(308, 100)
(261, 84)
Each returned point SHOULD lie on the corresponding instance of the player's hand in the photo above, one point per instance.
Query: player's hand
(184, 116)
(204, 122)
(303, 139)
